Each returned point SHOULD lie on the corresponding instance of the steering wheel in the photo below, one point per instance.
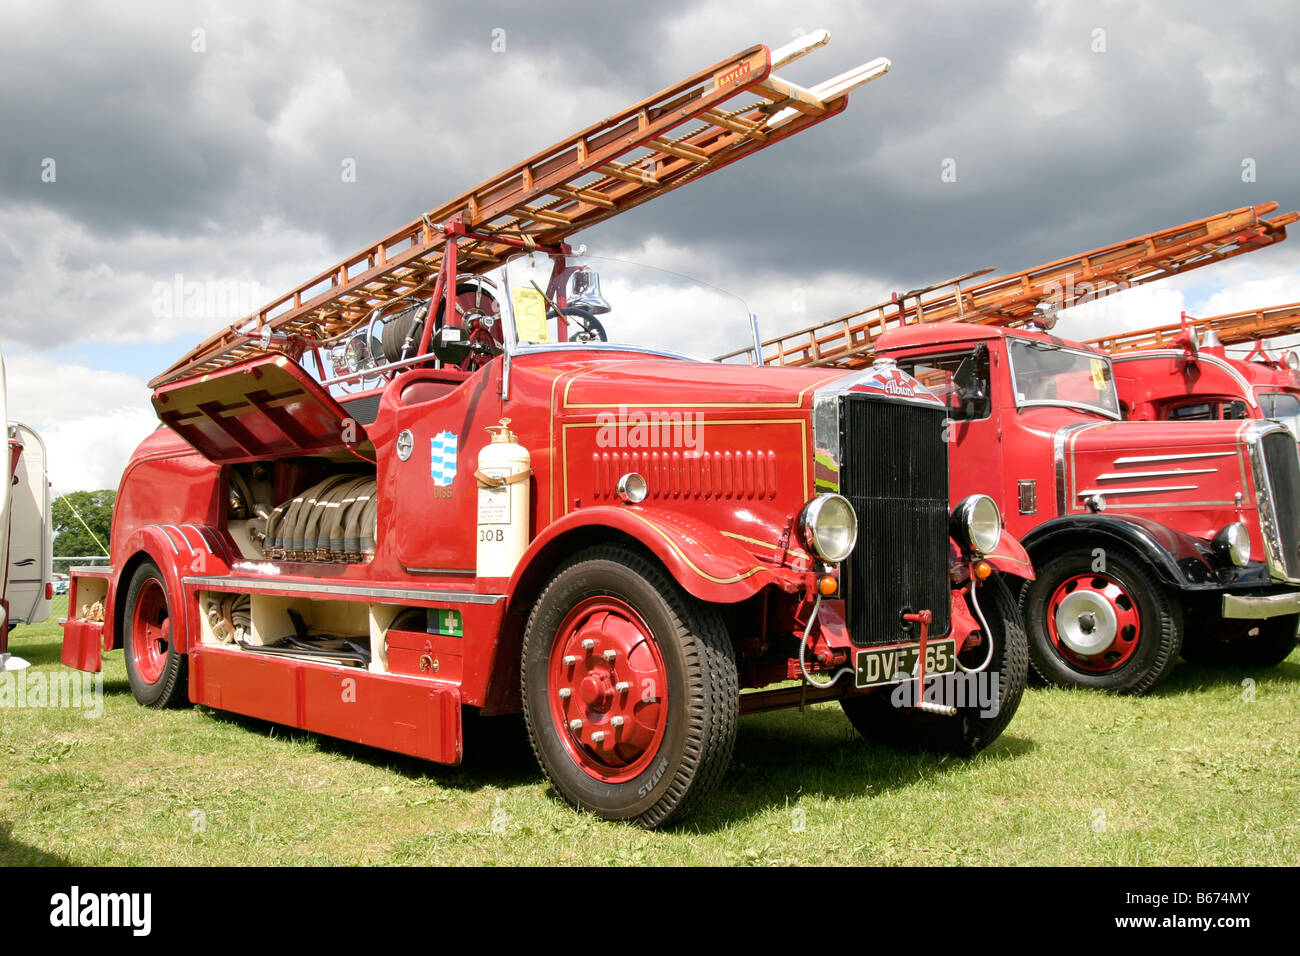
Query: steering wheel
(590, 328)
(480, 318)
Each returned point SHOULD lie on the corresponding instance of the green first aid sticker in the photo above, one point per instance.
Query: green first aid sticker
(447, 623)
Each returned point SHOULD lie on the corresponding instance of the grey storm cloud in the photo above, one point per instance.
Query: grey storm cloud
(1057, 146)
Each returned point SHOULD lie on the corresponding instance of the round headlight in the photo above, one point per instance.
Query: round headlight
(977, 523)
(830, 527)
(1233, 541)
(632, 488)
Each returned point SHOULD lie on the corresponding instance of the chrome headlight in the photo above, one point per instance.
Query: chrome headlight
(1233, 542)
(829, 527)
(977, 523)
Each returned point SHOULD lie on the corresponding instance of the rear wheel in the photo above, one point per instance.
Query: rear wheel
(1101, 622)
(155, 667)
(630, 689)
(990, 698)
(1265, 643)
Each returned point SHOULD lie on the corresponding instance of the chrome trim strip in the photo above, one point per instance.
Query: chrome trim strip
(163, 529)
(1059, 441)
(1170, 473)
(279, 585)
(1151, 459)
(1134, 491)
(1252, 436)
(169, 528)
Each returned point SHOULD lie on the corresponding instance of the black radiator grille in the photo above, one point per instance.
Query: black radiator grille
(894, 469)
(1283, 469)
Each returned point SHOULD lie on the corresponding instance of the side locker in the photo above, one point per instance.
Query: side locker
(416, 713)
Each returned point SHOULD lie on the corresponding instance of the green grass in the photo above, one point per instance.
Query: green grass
(1193, 774)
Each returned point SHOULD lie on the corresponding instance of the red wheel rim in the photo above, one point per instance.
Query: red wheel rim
(607, 689)
(1093, 622)
(151, 632)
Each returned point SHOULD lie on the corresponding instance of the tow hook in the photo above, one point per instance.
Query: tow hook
(924, 618)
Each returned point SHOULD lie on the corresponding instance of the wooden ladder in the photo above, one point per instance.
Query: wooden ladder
(1023, 298)
(1232, 328)
(690, 129)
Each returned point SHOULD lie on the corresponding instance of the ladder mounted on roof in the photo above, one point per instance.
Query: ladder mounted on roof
(1029, 297)
(690, 129)
(1232, 328)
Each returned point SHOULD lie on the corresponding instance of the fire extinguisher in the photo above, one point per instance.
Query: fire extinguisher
(504, 467)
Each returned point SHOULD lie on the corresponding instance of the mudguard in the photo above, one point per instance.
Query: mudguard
(177, 550)
(705, 562)
(1178, 559)
(1010, 557)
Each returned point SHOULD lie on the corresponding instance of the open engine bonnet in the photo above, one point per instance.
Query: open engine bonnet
(264, 407)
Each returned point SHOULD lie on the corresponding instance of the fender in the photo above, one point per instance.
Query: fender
(1179, 560)
(707, 564)
(177, 550)
(1010, 557)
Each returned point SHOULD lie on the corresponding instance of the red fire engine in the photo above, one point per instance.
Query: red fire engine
(1183, 371)
(1141, 532)
(468, 469)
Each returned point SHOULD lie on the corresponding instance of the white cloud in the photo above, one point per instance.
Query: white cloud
(62, 283)
(90, 420)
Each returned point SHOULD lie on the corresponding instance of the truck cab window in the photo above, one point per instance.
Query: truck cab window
(1283, 407)
(959, 379)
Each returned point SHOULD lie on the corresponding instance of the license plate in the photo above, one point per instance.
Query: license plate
(897, 663)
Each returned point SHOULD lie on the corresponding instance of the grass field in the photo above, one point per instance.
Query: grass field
(1196, 773)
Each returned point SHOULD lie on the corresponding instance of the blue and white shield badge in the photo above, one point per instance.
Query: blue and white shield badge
(442, 458)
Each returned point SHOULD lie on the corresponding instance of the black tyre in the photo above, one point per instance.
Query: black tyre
(1265, 643)
(885, 718)
(155, 666)
(1101, 621)
(630, 690)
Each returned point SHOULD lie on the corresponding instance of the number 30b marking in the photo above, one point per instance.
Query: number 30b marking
(491, 534)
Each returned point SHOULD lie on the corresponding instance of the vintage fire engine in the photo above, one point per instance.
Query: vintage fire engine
(1140, 532)
(1183, 371)
(472, 468)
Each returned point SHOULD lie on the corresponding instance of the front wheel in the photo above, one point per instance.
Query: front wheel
(155, 666)
(1097, 620)
(989, 698)
(630, 689)
(1265, 643)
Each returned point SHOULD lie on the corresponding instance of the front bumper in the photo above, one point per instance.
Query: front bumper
(1257, 607)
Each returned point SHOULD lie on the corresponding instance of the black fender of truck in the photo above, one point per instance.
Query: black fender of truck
(1178, 560)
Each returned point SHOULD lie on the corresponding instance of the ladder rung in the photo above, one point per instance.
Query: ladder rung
(589, 196)
(792, 95)
(680, 150)
(737, 125)
(629, 173)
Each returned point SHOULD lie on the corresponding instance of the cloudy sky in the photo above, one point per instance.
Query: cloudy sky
(150, 143)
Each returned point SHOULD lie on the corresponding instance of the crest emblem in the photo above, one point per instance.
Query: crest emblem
(442, 458)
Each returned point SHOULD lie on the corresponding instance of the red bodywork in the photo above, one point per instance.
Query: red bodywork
(1173, 384)
(1178, 482)
(721, 521)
